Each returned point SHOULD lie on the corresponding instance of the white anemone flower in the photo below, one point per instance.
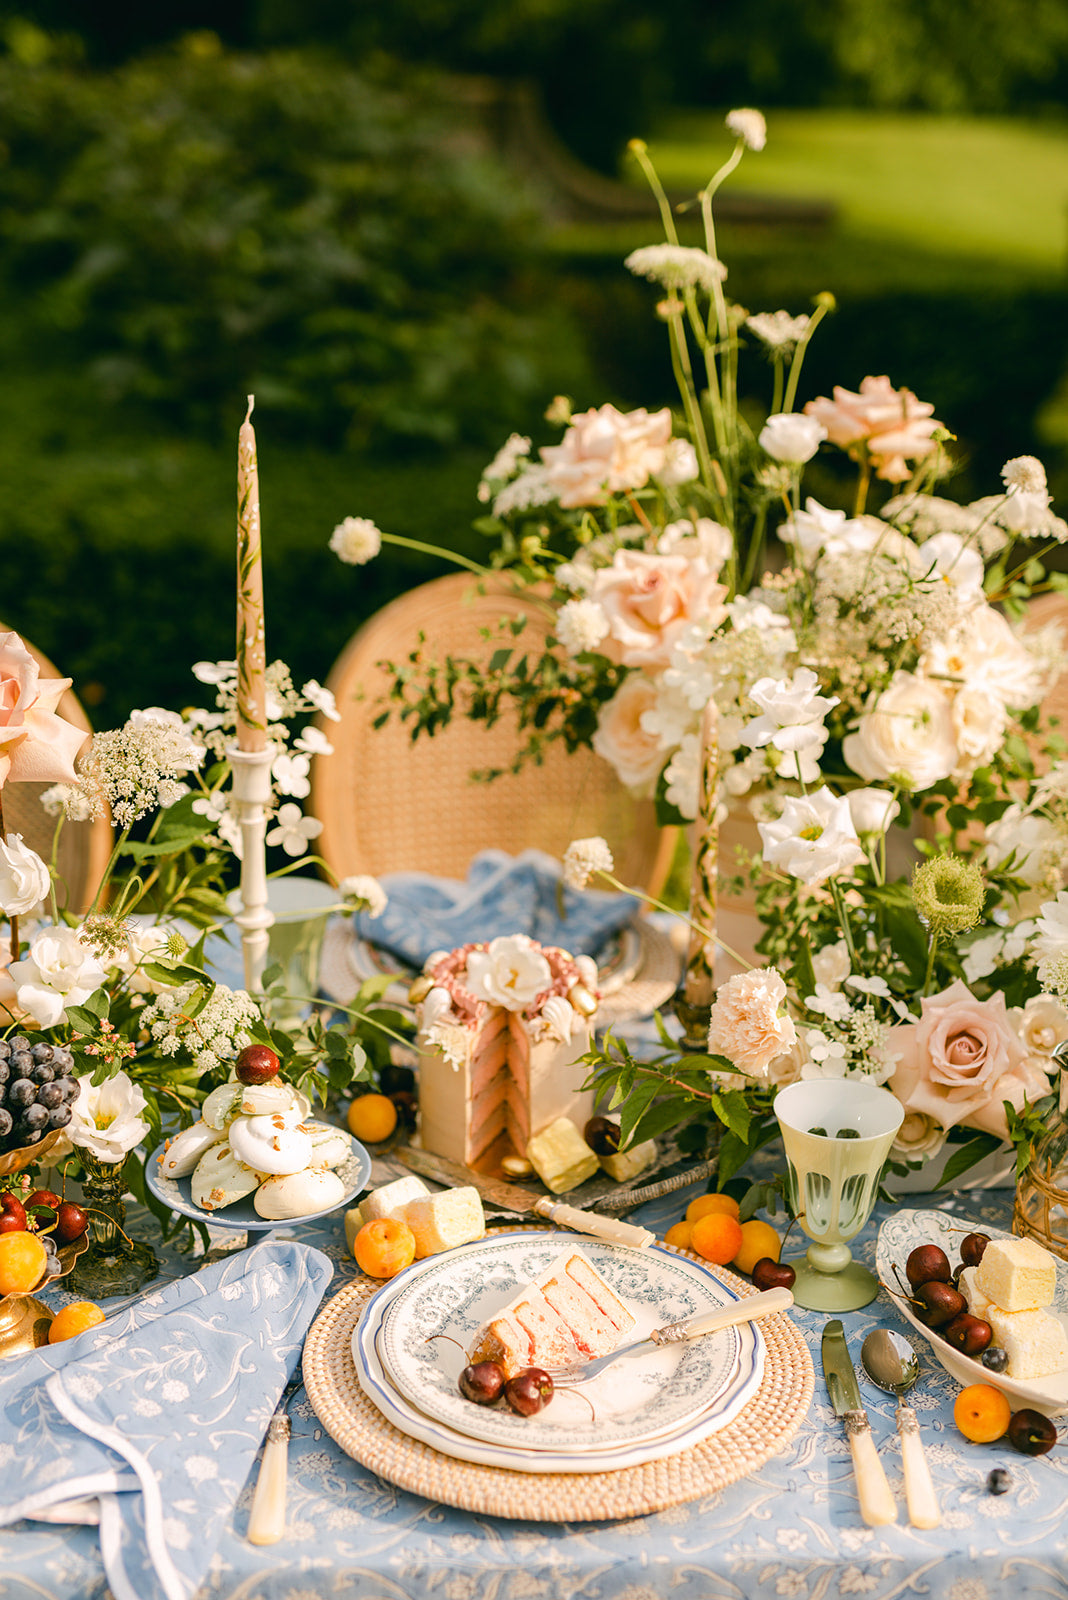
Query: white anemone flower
(814, 837)
(106, 1118)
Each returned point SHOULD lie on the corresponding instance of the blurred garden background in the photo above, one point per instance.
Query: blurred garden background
(402, 226)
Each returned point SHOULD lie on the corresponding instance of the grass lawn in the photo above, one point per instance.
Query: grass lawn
(991, 189)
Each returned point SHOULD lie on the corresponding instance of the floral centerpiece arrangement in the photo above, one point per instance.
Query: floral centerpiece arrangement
(113, 1027)
(858, 678)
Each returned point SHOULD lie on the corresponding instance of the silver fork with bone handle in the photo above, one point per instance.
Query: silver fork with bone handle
(751, 1309)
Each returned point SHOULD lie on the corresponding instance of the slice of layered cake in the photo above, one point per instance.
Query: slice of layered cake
(502, 1030)
(567, 1314)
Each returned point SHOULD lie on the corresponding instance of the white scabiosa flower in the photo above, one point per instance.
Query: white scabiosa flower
(356, 541)
(580, 625)
(748, 125)
(584, 857)
(791, 437)
(1024, 475)
(366, 893)
(676, 266)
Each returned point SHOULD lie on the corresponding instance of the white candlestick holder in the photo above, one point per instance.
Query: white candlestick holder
(252, 795)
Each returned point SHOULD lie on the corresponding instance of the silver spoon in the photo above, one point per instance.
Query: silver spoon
(892, 1364)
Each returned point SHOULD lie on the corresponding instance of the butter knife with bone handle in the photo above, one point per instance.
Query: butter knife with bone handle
(514, 1197)
(267, 1519)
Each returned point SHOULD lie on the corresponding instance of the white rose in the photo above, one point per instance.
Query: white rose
(905, 733)
(813, 838)
(984, 652)
(24, 878)
(510, 972)
(872, 810)
(831, 965)
(1041, 1024)
(622, 741)
(106, 1118)
(919, 1138)
(812, 529)
(59, 971)
(680, 464)
(1033, 840)
(708, 540)
(792, 437)
(979, 719)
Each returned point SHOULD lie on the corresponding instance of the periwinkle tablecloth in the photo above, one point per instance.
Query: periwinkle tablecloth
(790, 1532)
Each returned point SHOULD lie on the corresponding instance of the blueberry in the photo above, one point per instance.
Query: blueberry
(999, 1481)
(994, 1359)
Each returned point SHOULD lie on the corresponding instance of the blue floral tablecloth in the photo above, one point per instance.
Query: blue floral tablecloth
(791, 1530)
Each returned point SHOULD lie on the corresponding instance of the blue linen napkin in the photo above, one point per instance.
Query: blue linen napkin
(502, 894)
(158, 1414)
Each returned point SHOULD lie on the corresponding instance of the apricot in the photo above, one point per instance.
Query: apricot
(679, 1235)
(73, 1320)
(23, 1259)
(759, 1239)
(717, 1237)
(372, 1117)
(384, 1247)
(707, 1205)
(982, 1413)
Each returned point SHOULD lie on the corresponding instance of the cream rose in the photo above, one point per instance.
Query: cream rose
(746, 1025)
(650, 600)
(919, 1138)
(984, 653)
(24, 878)
(979, 720)
(1041, 1025)
(894, 425)
(961, 1060)
(36, 745)
(510, 972)
(636, 755)
(607, 452)
(905, 733)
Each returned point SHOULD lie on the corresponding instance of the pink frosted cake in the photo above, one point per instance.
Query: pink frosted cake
(502, 1029)
(568, 1314)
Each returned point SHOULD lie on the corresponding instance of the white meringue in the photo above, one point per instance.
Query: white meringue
(221, 1104)
(270, 1144)
(220, 1178)
(330, 1147)
(274, 1098)
(299, 1195)
(186, 1148)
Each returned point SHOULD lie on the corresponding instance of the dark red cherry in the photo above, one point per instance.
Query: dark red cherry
(970, 1335)
(972, 1247)
(529, 1391)
(1031, 1433)
(771, 1274)
(941, 1303)
(928, 1264)
(602, 1136)
(482, 1382)
(71, 1221)
(257, 1064)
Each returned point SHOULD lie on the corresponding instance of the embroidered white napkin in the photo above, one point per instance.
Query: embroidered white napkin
(157, 1416)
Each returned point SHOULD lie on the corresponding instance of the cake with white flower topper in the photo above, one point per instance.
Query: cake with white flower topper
(503, 1027)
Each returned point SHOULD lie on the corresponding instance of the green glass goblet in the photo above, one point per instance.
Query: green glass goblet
(113, 1264)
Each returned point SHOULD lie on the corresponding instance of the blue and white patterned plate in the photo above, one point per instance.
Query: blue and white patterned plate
(899, 1236)
(432, 1313)
(242, 1215)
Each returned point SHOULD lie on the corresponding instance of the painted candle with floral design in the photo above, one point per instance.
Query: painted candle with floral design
(251, 638)
(700, 983)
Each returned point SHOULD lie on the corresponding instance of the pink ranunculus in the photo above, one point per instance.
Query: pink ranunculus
(607, 452)
(893, 424)
(650, 600)
(961, 1060)
(36, 745)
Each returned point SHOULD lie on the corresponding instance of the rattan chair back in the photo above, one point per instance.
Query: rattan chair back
(388, 804)
(84, 847)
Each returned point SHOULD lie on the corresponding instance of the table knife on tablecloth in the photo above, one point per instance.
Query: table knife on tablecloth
(514, 1197)
(877, 1505)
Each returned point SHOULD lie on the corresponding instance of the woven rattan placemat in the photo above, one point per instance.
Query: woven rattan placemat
(766, 1425)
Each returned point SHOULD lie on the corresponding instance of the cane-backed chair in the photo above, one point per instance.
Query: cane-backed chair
(389, 804)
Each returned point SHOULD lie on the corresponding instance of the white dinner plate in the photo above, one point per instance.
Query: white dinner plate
(242, 1215)
(899, 1236)
(419, 1331)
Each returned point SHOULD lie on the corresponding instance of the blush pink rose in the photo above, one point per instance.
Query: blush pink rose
(961, 1060)
(620, 739)
(36, 746)
(891, 422)
(607, 452)
(650, 600)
